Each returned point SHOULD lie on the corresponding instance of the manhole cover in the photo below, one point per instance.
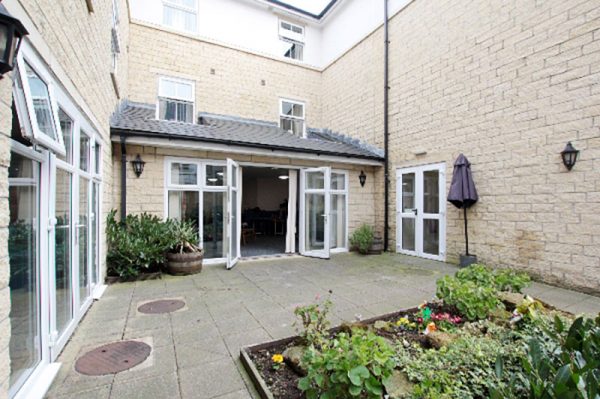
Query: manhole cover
(161, 306)
(113, 358)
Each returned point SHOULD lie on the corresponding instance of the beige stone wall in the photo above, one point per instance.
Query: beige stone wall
(508, 83)
(236, 86)
(146, 193)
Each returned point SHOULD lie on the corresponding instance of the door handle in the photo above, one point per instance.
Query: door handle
(414, 210)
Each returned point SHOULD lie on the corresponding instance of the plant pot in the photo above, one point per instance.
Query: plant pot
(185, 263)
(376, 247)
(467, 260)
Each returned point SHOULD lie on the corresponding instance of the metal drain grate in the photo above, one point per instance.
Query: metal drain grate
(161, 306)
(113, 358)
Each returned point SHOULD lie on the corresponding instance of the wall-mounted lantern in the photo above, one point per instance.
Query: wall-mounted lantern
(11, 35)
(138, 165)
(362, 178)
(569, 156)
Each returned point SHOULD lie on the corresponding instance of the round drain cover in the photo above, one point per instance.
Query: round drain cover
(161, 306)
(113, 358)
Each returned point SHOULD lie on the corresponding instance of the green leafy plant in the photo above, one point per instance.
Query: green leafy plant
(315, 324)
(500, 279)
(184, 236)
(348, 365)
(138, 244)
(472, 301)
(362, 238)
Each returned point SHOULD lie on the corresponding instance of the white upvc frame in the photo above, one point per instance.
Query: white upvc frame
(325, 191)
(200, 187)
(419, 216)
(28, 56)
(191, 100)
(290, 34)
(292, 117)
(175, 5)
(234, 174)
(343, 192)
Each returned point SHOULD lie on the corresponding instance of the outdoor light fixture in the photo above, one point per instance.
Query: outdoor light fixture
(284, 177)
(11, 35)
(138, 165)
(569, 156)
(362, 178)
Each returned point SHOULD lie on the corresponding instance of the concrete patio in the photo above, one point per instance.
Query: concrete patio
(195, 351)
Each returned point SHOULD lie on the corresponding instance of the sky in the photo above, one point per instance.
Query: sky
(312, 6)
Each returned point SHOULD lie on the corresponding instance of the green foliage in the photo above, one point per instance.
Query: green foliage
(314, 322)
(184, 236)
(362, 238)
(472, 300)
(500, 279)
(569, 365)
(139, 244)
(348, 365)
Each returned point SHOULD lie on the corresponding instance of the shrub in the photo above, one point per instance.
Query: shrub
(139, 244)
(349, 365)
(362, 238)
(500, 279)
(472, 301)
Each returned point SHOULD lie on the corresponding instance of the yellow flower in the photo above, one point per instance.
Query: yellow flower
(402, 321)
(277, 358)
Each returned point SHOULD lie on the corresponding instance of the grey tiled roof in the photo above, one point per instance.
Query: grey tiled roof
(135, 119)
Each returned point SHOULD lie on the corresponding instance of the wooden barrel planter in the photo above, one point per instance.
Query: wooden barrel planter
(185, 263)
(377, 246)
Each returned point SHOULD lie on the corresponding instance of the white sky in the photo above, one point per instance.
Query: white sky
(312, 6)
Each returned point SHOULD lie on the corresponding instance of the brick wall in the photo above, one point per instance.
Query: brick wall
(508, 83)
(236, 86)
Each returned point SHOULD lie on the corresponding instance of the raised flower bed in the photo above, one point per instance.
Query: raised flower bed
(480, 338)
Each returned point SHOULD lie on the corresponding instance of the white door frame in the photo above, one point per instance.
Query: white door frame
(325, 191)
(233, 170)
(417, 213)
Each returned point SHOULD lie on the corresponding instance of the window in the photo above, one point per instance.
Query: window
(292, 40)
(115, 41)
(291, 117)
(175, 100)
(180, 14)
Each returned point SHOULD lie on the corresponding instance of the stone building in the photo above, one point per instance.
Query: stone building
(263, 123)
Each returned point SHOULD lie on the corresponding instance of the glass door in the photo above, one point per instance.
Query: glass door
(234, 207)
(315, 207)
(420, 211)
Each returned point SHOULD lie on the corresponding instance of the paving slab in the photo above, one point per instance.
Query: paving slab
(195, 351)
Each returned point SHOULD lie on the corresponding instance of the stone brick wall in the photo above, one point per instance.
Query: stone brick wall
(146, 193)
(507, 83)
(235, 88)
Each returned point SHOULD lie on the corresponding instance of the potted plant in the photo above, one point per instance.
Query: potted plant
(184, 256)
(363, 239)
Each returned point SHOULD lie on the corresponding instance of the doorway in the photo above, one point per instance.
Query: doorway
(421, 211)
(265, 209)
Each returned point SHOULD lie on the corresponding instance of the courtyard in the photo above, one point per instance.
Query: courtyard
(195, 350)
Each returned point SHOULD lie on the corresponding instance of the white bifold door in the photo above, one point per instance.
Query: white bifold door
(315, 207)
(421, 211)
(234, 211)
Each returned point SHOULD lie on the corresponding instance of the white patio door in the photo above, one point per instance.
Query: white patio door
(314, 212)
(234, 210)
(421, 211)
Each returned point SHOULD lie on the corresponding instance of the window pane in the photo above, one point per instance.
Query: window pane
(184, 173)
(286, 108)
(408, 192)
(184, 205)
(338, 181)
(431, 188)
(215, 175)
(213, 219)
(97, 157)
(41, 103)
(293, 126)
(84, 152)
(315, 180)
(167, 88)
(431, 233)
(62, 250)
(25, 345)
(66, 125)
(94, 227)
(82, 238)
(171, 110)
(315, 222)
(179, 19)
(408, 234)
(337, 234)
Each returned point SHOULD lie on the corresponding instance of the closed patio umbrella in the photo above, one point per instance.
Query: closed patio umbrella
(462, 192)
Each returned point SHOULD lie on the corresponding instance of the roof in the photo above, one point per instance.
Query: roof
(139, 120)
(315, 9)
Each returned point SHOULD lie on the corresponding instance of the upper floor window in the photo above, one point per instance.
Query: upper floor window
(292, 39)
(176, 100)
(291, 116)
(180, 14)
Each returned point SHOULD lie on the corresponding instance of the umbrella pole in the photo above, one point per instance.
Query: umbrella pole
(466, 233)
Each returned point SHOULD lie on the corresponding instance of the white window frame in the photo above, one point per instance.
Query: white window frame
(200, 187)
(289, 36)
(176, 98)
(194, 10)
(303, 118)
(343, 192)
(24, 98)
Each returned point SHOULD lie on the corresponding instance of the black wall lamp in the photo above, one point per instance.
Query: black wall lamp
(11, 35)
(569, 155)
(138, 165)
(362, 178)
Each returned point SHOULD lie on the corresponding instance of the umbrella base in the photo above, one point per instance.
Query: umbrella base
(467, 260)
